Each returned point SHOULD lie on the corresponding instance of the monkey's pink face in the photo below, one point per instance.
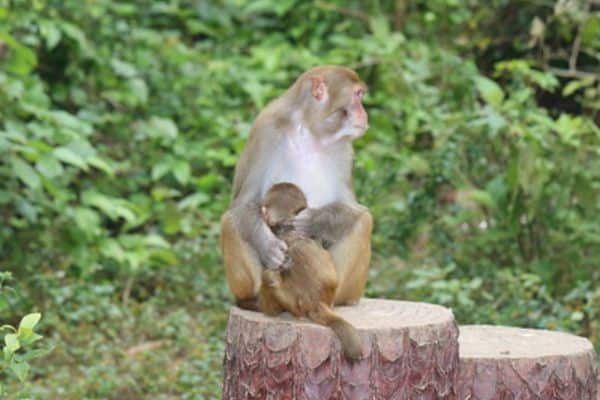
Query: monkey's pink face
(343, 115)
(358, 114)
(348, 121)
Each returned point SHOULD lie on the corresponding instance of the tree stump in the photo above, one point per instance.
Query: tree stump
(410, 351)
(502, 363)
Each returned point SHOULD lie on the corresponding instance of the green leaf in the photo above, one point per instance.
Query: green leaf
(279, 7)
(209, 181)
(490, 91)
(70, 121)
(113, 207)
(590, 34)
(156, 241)
(28, 337)
(159, 170)
(49, 166)
(101, 164)
(193, 201)
(165, 257)
(112, 249)
(15, 89)
(577, 84)
(21, 59)
(12, 342)
(74, 32)
(50, 33)
(21, 370)
(139, 88)
(30, 320)
(569, 128)
(87, 220)
(25, 173)
(380, 26)
(577, 316)
(82, 148)
(37, 353)
(68, 156)
(482, 197)
(123, 68)
(182, 171)
(162, 128)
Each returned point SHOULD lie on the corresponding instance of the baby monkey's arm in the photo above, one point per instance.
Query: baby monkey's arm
(329, 223)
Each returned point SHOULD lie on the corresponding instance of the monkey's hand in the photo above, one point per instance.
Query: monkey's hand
(304, 222)
(327, 224)
(273, 252)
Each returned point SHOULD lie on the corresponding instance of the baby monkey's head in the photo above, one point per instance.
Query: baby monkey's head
(282, 202)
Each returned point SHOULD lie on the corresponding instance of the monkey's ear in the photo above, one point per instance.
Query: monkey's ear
(318, 88)
(265, 215)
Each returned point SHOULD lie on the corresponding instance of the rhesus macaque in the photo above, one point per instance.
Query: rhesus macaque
(303, 137)
(307, 287)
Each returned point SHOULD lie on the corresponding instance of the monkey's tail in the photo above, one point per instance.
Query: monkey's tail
(351, 343)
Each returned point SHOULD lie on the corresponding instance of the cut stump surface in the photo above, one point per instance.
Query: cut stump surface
(410, 351)
(502, 363)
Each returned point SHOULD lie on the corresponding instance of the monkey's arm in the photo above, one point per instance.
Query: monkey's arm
(254, 230)
(330, 223)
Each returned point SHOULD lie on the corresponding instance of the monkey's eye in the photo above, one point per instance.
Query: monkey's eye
(344, 113)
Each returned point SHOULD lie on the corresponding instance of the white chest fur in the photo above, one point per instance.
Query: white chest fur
(303, 161)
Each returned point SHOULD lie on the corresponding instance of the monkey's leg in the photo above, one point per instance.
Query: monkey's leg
(242, 266)
(268, 303)
(351, 256)
(288, 301)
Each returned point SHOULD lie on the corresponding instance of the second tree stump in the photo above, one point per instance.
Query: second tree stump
(504, 363)
(410, 351)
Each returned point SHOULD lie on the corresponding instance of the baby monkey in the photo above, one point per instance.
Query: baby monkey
(307, 287)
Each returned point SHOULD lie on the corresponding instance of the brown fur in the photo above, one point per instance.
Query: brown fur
(307, 289)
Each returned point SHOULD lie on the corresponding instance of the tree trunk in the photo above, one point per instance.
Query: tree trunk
(410, 351)
(502, 363)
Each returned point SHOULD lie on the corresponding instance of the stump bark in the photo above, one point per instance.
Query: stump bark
(410, 351)
(502, 363)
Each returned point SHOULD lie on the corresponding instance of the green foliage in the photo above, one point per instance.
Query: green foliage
(121, 122)
(17, 350)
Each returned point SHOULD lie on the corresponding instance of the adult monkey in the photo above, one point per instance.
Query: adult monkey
(303, 137)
